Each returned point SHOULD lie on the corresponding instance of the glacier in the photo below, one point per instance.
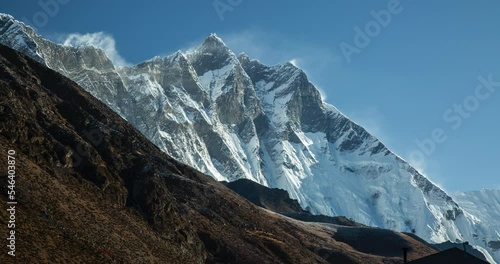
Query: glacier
(233, 117)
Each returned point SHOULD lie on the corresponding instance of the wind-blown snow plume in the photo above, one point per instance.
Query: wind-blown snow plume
(233, 117)
(100, 40)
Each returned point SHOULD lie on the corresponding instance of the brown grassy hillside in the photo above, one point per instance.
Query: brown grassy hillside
(91, 189)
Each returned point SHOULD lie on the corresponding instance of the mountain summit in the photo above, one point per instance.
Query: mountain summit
(232, 117)
(94, 190)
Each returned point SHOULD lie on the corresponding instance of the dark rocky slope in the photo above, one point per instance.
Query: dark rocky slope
(468, 248)
(278, 200)
(92, 189)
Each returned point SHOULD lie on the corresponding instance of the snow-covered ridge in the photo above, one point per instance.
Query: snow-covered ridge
(484, 207)
(233, 117)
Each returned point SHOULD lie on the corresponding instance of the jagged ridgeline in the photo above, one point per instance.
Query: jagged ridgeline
(233, 117)
(125, 201)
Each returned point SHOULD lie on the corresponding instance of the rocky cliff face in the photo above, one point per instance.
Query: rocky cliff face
(91, 189)
(232, 117)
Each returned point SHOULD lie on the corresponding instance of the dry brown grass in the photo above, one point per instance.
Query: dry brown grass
(128, 202)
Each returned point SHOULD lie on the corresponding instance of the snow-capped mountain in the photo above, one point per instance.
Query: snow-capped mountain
(233, 117)
(485, 206)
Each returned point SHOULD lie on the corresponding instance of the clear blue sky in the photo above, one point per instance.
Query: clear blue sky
(425, 60)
